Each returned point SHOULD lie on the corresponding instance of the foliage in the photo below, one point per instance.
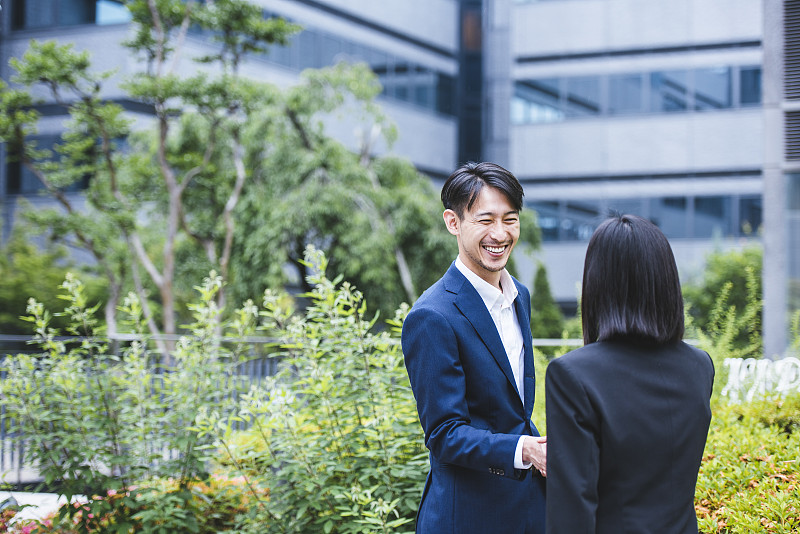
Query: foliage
(729, 282)
(28, 271)
(377, 222)
(749, 477)
(547, 321)
(334, 436)
(96, 424)
(229, 173)
(728, 326)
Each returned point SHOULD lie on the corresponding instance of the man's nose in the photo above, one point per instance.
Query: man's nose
(497, 231)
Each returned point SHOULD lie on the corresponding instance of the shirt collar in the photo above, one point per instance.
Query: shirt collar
(488, 293)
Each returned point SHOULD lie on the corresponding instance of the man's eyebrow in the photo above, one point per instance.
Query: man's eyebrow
(491, 213)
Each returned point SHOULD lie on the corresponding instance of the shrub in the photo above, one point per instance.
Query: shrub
(334, 436)
(750, 476)
(97, 424)
(731, 281)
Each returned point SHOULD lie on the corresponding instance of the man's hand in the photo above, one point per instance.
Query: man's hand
(534, 451)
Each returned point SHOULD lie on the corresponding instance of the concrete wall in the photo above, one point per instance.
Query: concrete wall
(624, 24)
(642, 144)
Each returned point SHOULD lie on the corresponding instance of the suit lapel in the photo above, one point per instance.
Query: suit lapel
(529, 373)
(470, 304)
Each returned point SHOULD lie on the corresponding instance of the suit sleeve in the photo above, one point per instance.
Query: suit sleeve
(431, 353)
(573, 453)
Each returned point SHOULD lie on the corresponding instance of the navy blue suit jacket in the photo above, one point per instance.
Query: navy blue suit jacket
(471, 413)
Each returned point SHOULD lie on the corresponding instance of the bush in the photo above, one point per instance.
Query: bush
(334, 436)
(99, 425)
(731, 283)
(749, 477)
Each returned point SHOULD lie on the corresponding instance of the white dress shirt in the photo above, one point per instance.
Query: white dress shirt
(500, 305)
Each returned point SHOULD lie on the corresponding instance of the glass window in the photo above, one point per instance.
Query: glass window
(579, 220)
(30, 14)
(750, 215)
(668, 91)
(423, 95)
(305, 44)
(670, 215)
(548, 218)
(73, 12)
(330, 49)
(583, 96)
(445, 94)
(750, 85)
(626, 206)
(112, 12)
(711, 216)
(712, 88)
(33, 14)
(625, 94)
(282, 55)
(538, 100)
(401, 91)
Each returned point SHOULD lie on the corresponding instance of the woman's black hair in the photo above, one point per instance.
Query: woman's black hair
(465, 183)
(630, 284)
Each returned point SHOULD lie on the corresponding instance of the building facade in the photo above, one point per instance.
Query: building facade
(641, 106)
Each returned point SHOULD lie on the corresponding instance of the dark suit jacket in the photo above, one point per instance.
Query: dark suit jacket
(626, 428)
(471, 413)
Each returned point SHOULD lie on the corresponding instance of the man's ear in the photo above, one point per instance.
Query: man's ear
(451, 221)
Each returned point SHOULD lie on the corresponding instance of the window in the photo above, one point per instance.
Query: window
(750, 86)
(671, 214)
(401, 79)
(545, 100)
(34, 14)
(112, 12)
(712, 88)
(22, 181)
(750, 215)
(668, 91)
(711, 217)
(678, 216)
(579, 221)
(583, 96)
(625, 94)
(548, 219)
(537, 101)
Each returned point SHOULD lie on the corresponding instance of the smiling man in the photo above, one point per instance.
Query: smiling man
(468, 350)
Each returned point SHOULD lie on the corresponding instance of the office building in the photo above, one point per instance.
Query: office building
(643, 106)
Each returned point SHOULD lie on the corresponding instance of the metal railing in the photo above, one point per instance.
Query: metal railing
(16, 471)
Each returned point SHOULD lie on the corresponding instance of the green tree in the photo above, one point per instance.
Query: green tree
(230, 174)
(547, 321)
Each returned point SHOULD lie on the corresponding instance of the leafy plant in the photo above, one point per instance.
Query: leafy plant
(728, 325)
(94, 423)
(731, 281)
(749, 476)
(334, 436)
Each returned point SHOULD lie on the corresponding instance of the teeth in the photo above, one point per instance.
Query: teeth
(495, 250)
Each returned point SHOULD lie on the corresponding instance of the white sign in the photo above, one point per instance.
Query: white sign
(750, 377)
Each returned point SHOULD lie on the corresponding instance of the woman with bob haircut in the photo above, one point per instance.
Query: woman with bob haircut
(628, 413)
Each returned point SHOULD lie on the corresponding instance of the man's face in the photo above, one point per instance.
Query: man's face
(486, 234)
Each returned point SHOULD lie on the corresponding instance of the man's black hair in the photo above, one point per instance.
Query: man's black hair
(465, 184)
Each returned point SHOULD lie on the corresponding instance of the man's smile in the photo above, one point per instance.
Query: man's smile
(495, 249)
